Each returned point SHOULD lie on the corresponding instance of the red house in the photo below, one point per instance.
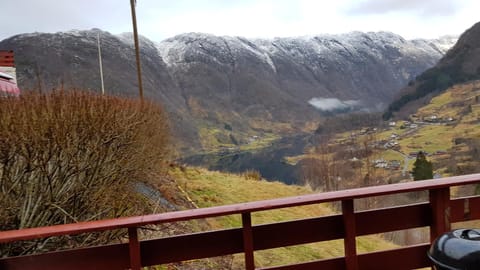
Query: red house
(8, 82)
(8, 85)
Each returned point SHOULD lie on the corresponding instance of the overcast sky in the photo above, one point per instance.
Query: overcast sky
(160, 19)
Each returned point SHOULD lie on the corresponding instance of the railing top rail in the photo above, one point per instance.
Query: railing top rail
(137, 221)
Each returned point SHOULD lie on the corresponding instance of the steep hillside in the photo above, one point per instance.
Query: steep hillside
(208, 188)
(460, 64)
(222, 91)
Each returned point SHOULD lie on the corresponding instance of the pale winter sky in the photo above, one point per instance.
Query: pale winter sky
(161, 19)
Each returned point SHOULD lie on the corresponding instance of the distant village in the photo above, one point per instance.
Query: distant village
(392, 141)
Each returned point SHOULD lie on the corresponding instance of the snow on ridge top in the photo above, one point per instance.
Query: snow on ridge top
(81, 33)
(195, 36)
(73, 32)
(27, 35)
(445, 43)
(171, 51)
(127, 38)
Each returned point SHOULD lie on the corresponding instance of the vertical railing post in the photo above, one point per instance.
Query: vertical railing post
(440, 206)
(248, 241)
(134, 249)
(349, 241)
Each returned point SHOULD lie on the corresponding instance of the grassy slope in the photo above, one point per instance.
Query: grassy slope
(431, 138)
(452, 103)
(208, 188)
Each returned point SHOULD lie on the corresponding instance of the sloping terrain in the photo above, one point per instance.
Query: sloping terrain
(207, 188)
(461, 64)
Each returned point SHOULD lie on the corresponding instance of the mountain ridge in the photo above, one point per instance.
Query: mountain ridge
(222, 90)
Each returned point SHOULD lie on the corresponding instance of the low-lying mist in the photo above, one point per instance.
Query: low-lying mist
(334, 104)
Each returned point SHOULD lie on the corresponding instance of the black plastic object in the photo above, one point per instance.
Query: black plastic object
(456, 250)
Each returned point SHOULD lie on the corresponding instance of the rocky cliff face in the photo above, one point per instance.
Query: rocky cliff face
(226, 88)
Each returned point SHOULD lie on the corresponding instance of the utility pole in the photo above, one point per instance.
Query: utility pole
(100, 62)
(137, 49)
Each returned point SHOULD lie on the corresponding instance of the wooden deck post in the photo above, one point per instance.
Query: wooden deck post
(134, 248)
(351, 259)
(248, 241)
(440, 205)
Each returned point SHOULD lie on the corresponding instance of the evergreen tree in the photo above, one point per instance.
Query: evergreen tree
(422, 168)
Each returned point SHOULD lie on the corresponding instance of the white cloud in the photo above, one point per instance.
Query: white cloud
(54, 15)
(424, 7)
(333, 104)
(160, 19)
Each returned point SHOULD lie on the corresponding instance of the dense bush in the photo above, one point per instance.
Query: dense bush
(74, 156)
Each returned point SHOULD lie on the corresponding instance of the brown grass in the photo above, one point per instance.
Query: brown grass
(252, 175)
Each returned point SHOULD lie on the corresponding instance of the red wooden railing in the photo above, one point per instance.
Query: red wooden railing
(438, 214)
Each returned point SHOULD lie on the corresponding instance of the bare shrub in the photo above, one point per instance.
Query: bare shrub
(252, 175)
(74, 156)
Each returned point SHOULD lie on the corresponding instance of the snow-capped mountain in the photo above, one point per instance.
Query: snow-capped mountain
(366, 67)
(207, 80)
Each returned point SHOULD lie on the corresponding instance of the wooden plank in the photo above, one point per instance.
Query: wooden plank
(330, 264)
(297, 232)
(7, 59)
(412, 257)
(225, 242)
(191, 246)
(104, 257)
(387, 219)
(463, 209)
(7, 63)
(116, 257)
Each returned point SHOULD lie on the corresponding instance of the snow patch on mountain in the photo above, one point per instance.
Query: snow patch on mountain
(444, 43)
(256, 50)
(172, 51)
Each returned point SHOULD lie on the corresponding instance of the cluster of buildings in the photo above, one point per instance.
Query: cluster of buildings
(384, 164)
